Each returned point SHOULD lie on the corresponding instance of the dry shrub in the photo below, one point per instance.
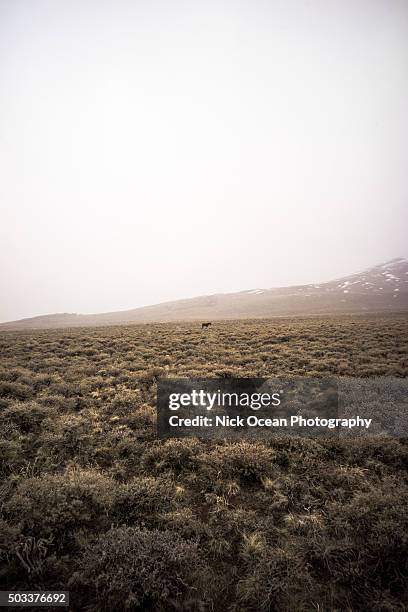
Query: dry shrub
(276, 579)
(57, 504)
(171, 455)
(141, 498)
(129, 568)
(247, 462)
(15, 390)
(27, 416)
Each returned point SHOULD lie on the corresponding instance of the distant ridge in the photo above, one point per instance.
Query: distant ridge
(382, 288)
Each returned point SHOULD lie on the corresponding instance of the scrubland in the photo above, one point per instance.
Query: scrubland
(92, 502)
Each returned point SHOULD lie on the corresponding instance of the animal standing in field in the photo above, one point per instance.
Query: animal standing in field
(205, 325)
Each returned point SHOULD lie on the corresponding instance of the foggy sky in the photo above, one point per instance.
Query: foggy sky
(154, 150)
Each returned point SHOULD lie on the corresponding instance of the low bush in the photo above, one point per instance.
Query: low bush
(58, 504)
(132, 569)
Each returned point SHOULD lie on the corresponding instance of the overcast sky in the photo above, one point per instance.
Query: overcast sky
(153, 150)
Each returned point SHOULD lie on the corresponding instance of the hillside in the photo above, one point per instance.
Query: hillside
(381, 288)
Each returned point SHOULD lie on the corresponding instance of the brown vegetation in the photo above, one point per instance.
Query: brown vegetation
(92, 502)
